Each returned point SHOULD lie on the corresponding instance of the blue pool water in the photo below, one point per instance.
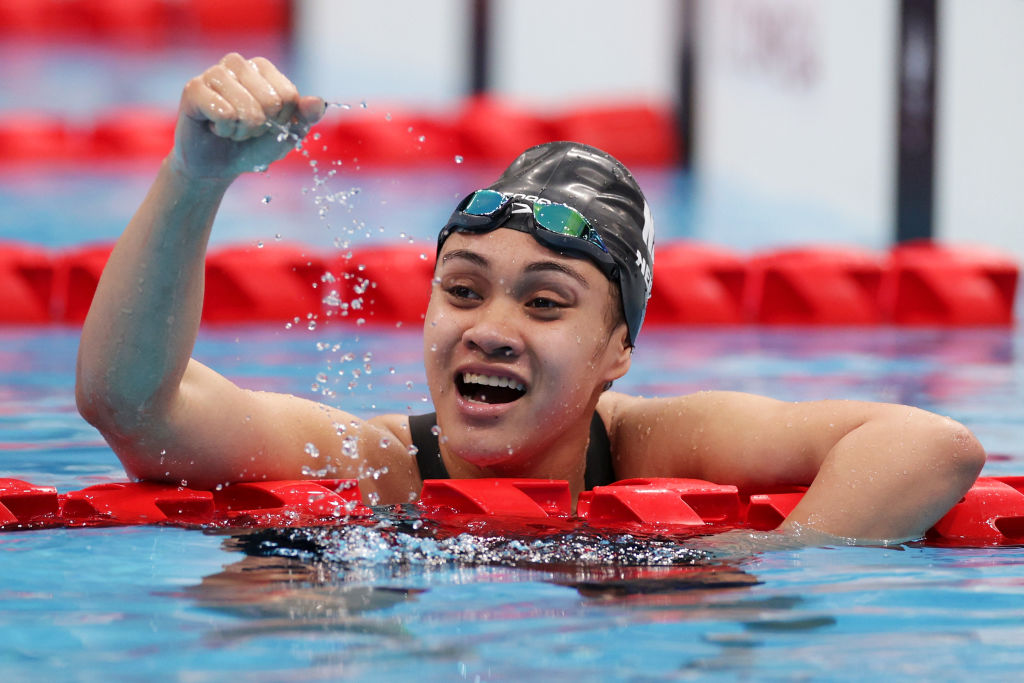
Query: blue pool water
(149, 603)
(169, 604)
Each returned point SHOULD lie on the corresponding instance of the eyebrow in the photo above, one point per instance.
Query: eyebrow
(542, 266)
(466, 254)
(536, 267)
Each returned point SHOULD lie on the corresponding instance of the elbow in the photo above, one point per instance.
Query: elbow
(89, 407)
(108, 411)
(959, 455)
(972, 455)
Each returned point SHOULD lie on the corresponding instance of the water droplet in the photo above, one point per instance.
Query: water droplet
(311, 326)
(458, 158)
(259, 245)
(266, 198)
(311, 450)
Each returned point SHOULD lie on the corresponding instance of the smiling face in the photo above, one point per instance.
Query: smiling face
(517, 350)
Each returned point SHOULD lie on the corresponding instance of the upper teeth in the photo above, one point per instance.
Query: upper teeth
(491, 381)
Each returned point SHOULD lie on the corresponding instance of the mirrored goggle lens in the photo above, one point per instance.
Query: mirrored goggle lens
(561, 218)
(567, 221)
(484, 203)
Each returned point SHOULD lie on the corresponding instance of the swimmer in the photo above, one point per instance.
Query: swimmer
(541, 283)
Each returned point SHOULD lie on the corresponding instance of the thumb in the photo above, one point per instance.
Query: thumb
(311, 109)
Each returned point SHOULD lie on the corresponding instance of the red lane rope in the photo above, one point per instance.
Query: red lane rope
(990, 514)
(142, 22)
(481, 129)
(919, 283)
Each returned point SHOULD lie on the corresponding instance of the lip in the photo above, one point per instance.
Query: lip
(486, 410)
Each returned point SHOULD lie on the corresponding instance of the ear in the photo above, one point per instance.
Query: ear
(619, 353)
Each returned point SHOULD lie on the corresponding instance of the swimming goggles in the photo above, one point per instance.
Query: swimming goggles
(558, 226)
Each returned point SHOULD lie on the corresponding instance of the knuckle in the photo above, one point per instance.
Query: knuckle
(251, 117)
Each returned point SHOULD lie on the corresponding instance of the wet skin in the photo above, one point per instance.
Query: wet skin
(503, 306)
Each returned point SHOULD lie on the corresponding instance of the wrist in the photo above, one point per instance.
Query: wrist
(195, 184)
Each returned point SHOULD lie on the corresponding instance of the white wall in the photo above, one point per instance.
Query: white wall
(544, 53)
(384, 51)
(553, 53)
(980, 179)
(796, 108)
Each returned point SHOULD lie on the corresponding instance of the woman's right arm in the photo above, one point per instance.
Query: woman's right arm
(165, 415)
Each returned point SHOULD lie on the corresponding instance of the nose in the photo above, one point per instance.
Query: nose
(493, 332)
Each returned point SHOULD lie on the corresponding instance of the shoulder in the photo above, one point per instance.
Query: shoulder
(682, 436)
(394, 426)
(643, 432)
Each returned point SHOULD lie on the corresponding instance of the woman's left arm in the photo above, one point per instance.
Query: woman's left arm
(876, 471)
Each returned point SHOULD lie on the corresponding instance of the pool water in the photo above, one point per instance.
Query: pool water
(388, 602)
(391, 601)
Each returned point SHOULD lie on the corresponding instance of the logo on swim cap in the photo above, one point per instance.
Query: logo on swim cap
(647, 267)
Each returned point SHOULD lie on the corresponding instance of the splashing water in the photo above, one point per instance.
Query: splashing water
(403, 538)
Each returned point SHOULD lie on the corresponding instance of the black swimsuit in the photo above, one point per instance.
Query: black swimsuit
(428, 454)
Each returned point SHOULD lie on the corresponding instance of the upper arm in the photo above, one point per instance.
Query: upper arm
(213, 432)
(874, 471)
(753, 441)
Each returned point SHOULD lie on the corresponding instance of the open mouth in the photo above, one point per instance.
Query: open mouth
(488, 388)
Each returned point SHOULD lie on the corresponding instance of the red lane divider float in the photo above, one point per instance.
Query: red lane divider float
(145, 22)
(253, 504)
(914, 284)
(825, 286)
(480, 130)
(990, 514)
(925, 282)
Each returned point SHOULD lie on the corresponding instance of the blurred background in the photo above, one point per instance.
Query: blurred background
(751, 123)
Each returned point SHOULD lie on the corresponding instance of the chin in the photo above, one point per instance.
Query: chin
(486, 456)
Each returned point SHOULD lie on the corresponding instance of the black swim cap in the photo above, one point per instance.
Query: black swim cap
(598, 186)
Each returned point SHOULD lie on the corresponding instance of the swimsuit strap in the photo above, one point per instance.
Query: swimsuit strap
(428, 451)
(600, 471)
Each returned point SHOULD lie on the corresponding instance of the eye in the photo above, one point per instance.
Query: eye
(462, 292)
(544, 303)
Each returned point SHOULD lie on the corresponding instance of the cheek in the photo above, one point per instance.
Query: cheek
(440, 334)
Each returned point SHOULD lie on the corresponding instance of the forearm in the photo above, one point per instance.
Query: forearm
(891, 478)
(138, 337)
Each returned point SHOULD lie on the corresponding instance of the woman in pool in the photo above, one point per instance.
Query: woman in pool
(540, 288)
